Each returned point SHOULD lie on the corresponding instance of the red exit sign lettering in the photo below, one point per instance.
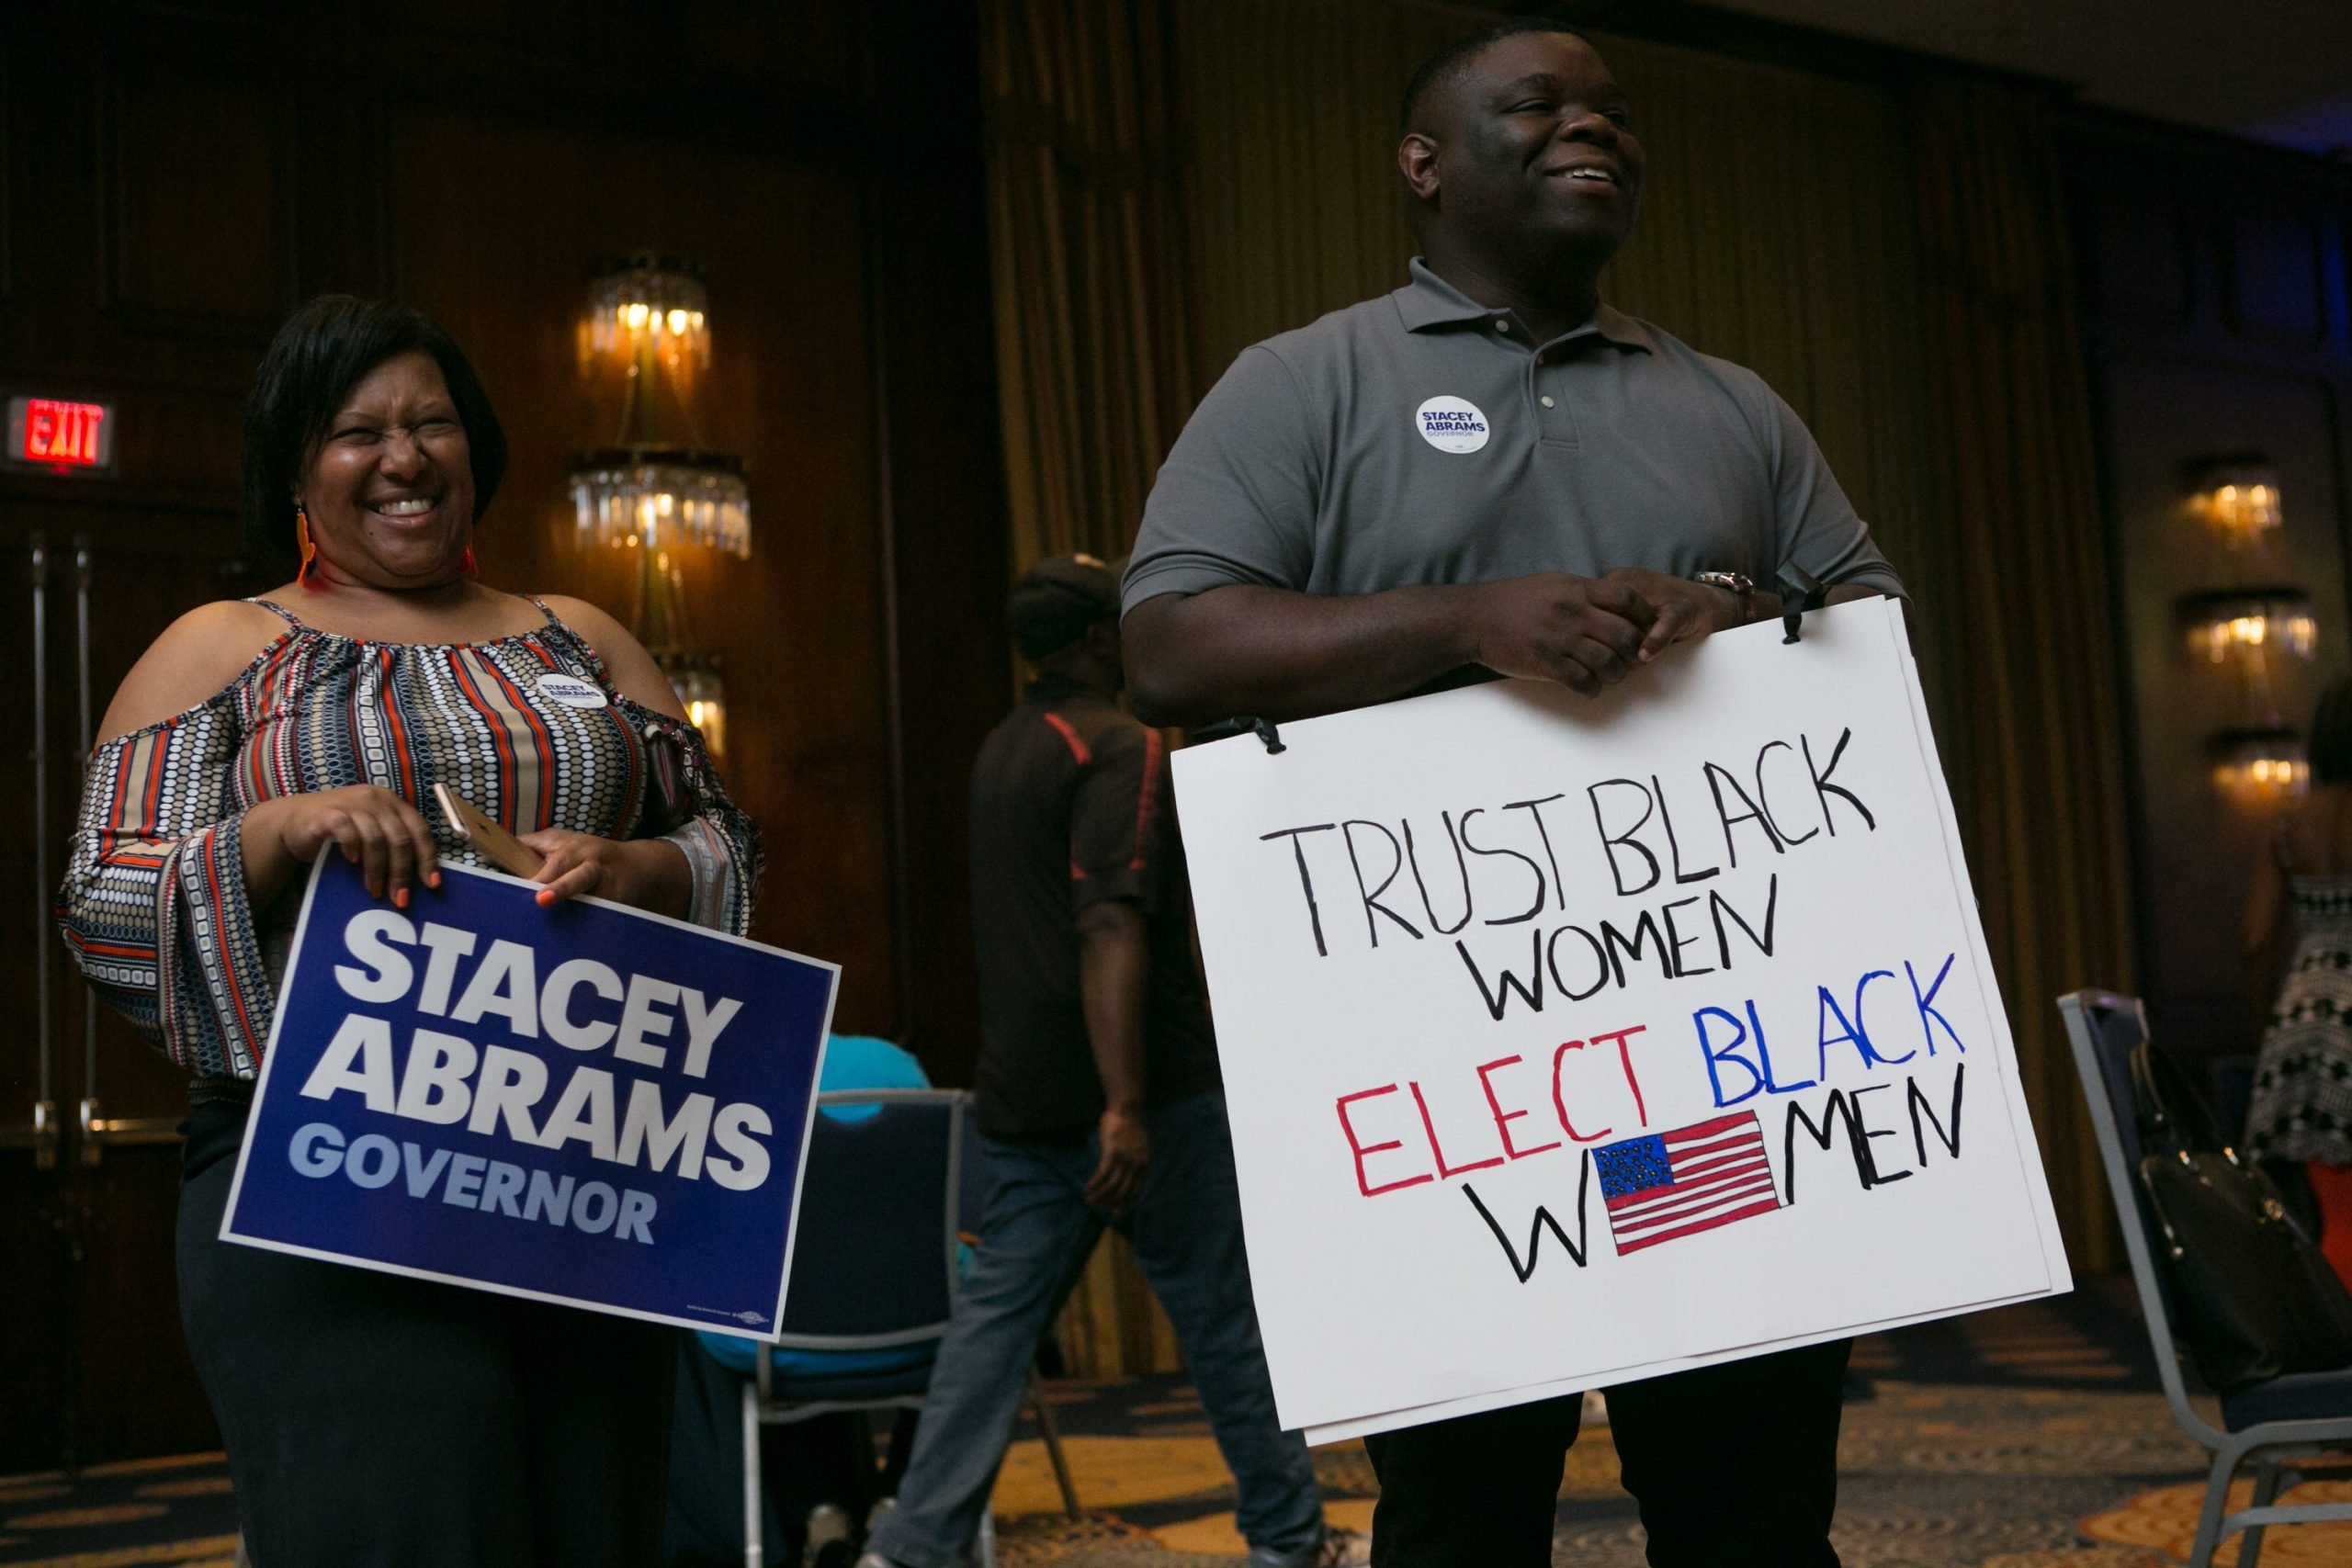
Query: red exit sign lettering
(58, 433)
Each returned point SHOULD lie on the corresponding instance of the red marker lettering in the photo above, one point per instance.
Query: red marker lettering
(1360, 1150)
(1502, 1117)
(1559, 1102)
(1626, 1058)
(1427, 1126)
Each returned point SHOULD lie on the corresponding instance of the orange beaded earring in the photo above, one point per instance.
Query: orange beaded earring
(302, 543)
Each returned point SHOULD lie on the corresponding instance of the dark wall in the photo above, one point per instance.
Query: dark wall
(174, 177)
(2213, 278)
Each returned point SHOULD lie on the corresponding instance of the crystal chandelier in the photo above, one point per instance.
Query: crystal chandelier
(657, 488)
(637, 496)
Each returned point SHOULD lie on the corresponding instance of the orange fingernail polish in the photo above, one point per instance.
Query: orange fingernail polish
(433, 880)
(400, 898)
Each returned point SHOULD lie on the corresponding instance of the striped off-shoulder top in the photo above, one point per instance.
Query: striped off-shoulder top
(529, 728)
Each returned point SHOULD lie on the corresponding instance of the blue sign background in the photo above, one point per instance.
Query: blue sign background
(717, 1256)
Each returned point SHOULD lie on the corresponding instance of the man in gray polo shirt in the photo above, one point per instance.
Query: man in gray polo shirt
(1489, 467)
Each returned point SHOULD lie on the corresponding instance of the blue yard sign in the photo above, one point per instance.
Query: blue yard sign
(585, 1104)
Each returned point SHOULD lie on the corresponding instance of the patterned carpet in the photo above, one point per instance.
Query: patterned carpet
(2032, 1438)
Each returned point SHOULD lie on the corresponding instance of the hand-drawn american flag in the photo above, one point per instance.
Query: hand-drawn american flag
(1678, 1183)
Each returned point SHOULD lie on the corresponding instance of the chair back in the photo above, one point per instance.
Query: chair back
(2103, 1029)
(874, 1253)
(972, 1197)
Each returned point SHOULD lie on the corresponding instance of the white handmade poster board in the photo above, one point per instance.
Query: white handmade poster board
(1570, 1039)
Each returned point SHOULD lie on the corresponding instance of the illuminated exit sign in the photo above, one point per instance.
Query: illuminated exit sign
(60, 436)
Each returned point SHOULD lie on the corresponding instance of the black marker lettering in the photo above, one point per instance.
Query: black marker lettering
(1532, 909)
(1923, 1116)
(1673, 844)
(1718, 906)
(1460, 869)
(1371, 898)
(1575, 1249)
(1718, 777)
(1498, 999)
(1534, 808)
(1824, 789)
(1306, 883)
(1609, 844)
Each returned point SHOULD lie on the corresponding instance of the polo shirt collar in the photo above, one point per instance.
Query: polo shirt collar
(1430, 301)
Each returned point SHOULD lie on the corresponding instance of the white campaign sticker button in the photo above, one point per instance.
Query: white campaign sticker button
(572, 691)
(1450, 424)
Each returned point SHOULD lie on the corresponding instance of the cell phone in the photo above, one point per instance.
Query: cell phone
(498, 846)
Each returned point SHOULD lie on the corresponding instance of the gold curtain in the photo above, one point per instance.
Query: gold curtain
(1087, 262)
(2031, 734)
(1087, 258)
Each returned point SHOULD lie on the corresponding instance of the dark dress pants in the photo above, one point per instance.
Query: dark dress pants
(1734, 1466)
(394, 1422)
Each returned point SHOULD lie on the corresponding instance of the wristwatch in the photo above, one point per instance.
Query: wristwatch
(1738, 582)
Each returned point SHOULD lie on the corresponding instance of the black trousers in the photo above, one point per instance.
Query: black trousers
(395, 1423)
(1734, 1466)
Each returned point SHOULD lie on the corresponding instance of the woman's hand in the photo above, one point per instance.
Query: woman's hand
(645, 874)
(376, 830)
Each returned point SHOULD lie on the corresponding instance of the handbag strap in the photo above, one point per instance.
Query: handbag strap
(2174, 1118)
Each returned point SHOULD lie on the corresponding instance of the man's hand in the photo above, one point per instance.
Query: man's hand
(1126, 1153)
(1583, 632)
(1687, 611)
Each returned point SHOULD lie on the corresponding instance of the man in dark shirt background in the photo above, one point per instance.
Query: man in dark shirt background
(1097, 1095)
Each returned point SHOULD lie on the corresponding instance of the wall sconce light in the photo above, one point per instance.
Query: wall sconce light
(705, 693)
(629, 497)
(2251, 624)
(2260, 767)
(645, 299)
(651, 491)
(2238, 498)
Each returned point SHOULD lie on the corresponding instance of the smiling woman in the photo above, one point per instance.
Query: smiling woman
(256, 735)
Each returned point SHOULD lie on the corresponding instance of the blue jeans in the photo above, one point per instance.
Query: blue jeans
(1036, 1232)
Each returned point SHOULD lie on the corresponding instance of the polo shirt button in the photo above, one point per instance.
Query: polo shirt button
(1545, 400)
(1501, 325)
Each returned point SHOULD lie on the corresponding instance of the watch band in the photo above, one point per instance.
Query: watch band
(1738, 582)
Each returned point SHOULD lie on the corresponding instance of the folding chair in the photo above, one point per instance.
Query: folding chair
(874, 1276)
(2269, 1424)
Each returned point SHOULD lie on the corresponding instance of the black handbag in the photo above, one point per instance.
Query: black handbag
(2255, 1299)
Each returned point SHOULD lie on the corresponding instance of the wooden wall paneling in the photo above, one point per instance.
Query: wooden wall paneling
(2196, 847)
(98, 1369)
(10, 142)
(90, 1353)
(134, 1388)
(927, 243)
(337, 172)
(495, 227)
(36, 1231)
(197, 211)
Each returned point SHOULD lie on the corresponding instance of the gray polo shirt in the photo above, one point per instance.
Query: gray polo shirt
(1424, 438)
